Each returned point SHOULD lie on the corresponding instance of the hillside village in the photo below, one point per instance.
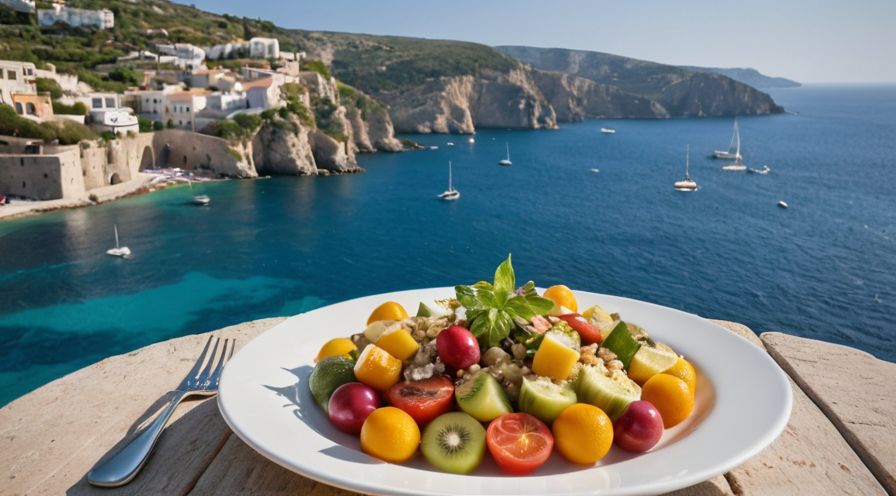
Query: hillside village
(237, 109)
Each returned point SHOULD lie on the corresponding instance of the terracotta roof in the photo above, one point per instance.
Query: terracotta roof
(258, 83)
(180, 97)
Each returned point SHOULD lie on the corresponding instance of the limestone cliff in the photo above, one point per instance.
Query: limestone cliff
(460, 103)
(321, 129)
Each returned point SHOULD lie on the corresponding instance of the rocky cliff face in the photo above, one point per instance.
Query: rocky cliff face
(336, 123)
(458, 104)
(625, 87)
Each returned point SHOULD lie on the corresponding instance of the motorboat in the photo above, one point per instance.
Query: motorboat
(201, 200)
(608, 130)
(762, 172)
(783, 204)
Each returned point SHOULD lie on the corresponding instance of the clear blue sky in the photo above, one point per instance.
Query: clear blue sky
(807, 40)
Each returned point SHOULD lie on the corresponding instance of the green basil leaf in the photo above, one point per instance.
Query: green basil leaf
(487, 298)
(505, 282)
(467, 297)
(529, 306)
(528, 289)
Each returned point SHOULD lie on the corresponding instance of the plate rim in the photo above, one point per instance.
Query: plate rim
(654, 487)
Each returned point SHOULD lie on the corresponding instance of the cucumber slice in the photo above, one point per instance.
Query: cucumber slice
(610, 394)
(622, 344)
(544, 399)
(482, 397)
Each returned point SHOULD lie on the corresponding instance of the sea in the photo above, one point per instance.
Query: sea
(824, 268)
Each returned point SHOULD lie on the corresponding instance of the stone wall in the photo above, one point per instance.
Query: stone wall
(42, 177)
(193, 151)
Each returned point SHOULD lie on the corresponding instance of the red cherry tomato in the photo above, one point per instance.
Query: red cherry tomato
(423, 400)
(587, 332)
(519, 442)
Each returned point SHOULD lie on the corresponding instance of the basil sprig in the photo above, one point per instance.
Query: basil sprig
(492, 307)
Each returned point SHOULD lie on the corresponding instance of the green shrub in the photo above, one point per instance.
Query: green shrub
(145, 125)
(318, 67)
(77, 108)
(157, 126)
(249, 122)
(126, 75)
(169, 124)
(50, 86)
(108, 135)
(70, 133)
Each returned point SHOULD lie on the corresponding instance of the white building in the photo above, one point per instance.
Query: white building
(182, 107)
(118, 120)
(100, 19)
(152, 102)
(264, 48)
(138, 55)
(16, 77)
(19, 5)
(186, 56)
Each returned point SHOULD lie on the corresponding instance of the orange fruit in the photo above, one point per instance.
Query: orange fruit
(562, 297)
(377, 368)
(583, 433)
(388, 311)
(671, 396)
(684, 371)
(336, 347)
(390, 434)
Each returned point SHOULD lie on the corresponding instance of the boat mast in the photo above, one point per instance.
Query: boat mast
(508, 151)
(687, 163)
(450, 187)
(116, 235)
(737, 157)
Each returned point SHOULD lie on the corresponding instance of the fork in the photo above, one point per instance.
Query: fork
(120, 468)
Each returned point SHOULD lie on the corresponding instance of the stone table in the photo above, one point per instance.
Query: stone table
(840, 439)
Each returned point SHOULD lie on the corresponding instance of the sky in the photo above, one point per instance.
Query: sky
(810, 41)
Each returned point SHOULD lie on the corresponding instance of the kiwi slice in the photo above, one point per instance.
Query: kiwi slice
(454, 442)
(482, 397)
(328, 375)
(611, 393)
(544, 399)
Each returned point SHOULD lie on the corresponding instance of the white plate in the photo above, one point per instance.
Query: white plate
(743, 403)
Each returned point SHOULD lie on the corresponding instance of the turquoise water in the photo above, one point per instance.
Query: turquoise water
(825, 268)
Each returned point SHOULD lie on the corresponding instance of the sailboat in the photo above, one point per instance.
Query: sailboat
(450, 193)
(506, 161)
(686, 184)
(118, 251)
(730, 153)
(738, 164)
(608, 130)
(201, 200)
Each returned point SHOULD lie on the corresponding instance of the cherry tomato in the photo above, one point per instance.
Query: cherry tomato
(519, 442)
(587, 332)
(423, 400)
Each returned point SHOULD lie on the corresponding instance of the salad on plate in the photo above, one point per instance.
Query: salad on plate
(503, 370)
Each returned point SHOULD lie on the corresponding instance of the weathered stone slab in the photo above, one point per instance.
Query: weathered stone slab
(855, 390)
(53, 436)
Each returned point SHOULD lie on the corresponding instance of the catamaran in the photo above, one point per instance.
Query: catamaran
(730, 154)
(506, 161)
(118, 251)
(450, 193)
(686, 184)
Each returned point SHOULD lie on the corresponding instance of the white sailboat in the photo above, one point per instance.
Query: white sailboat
(686, 184)
(506, 161)
(730, 153)
(738, 164)
(118, 251)
(450, 193)
(608, 130)
(201, 200)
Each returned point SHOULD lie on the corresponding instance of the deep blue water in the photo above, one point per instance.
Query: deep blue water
(825, 268)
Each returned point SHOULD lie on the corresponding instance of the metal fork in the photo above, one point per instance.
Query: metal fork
(120, 468)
